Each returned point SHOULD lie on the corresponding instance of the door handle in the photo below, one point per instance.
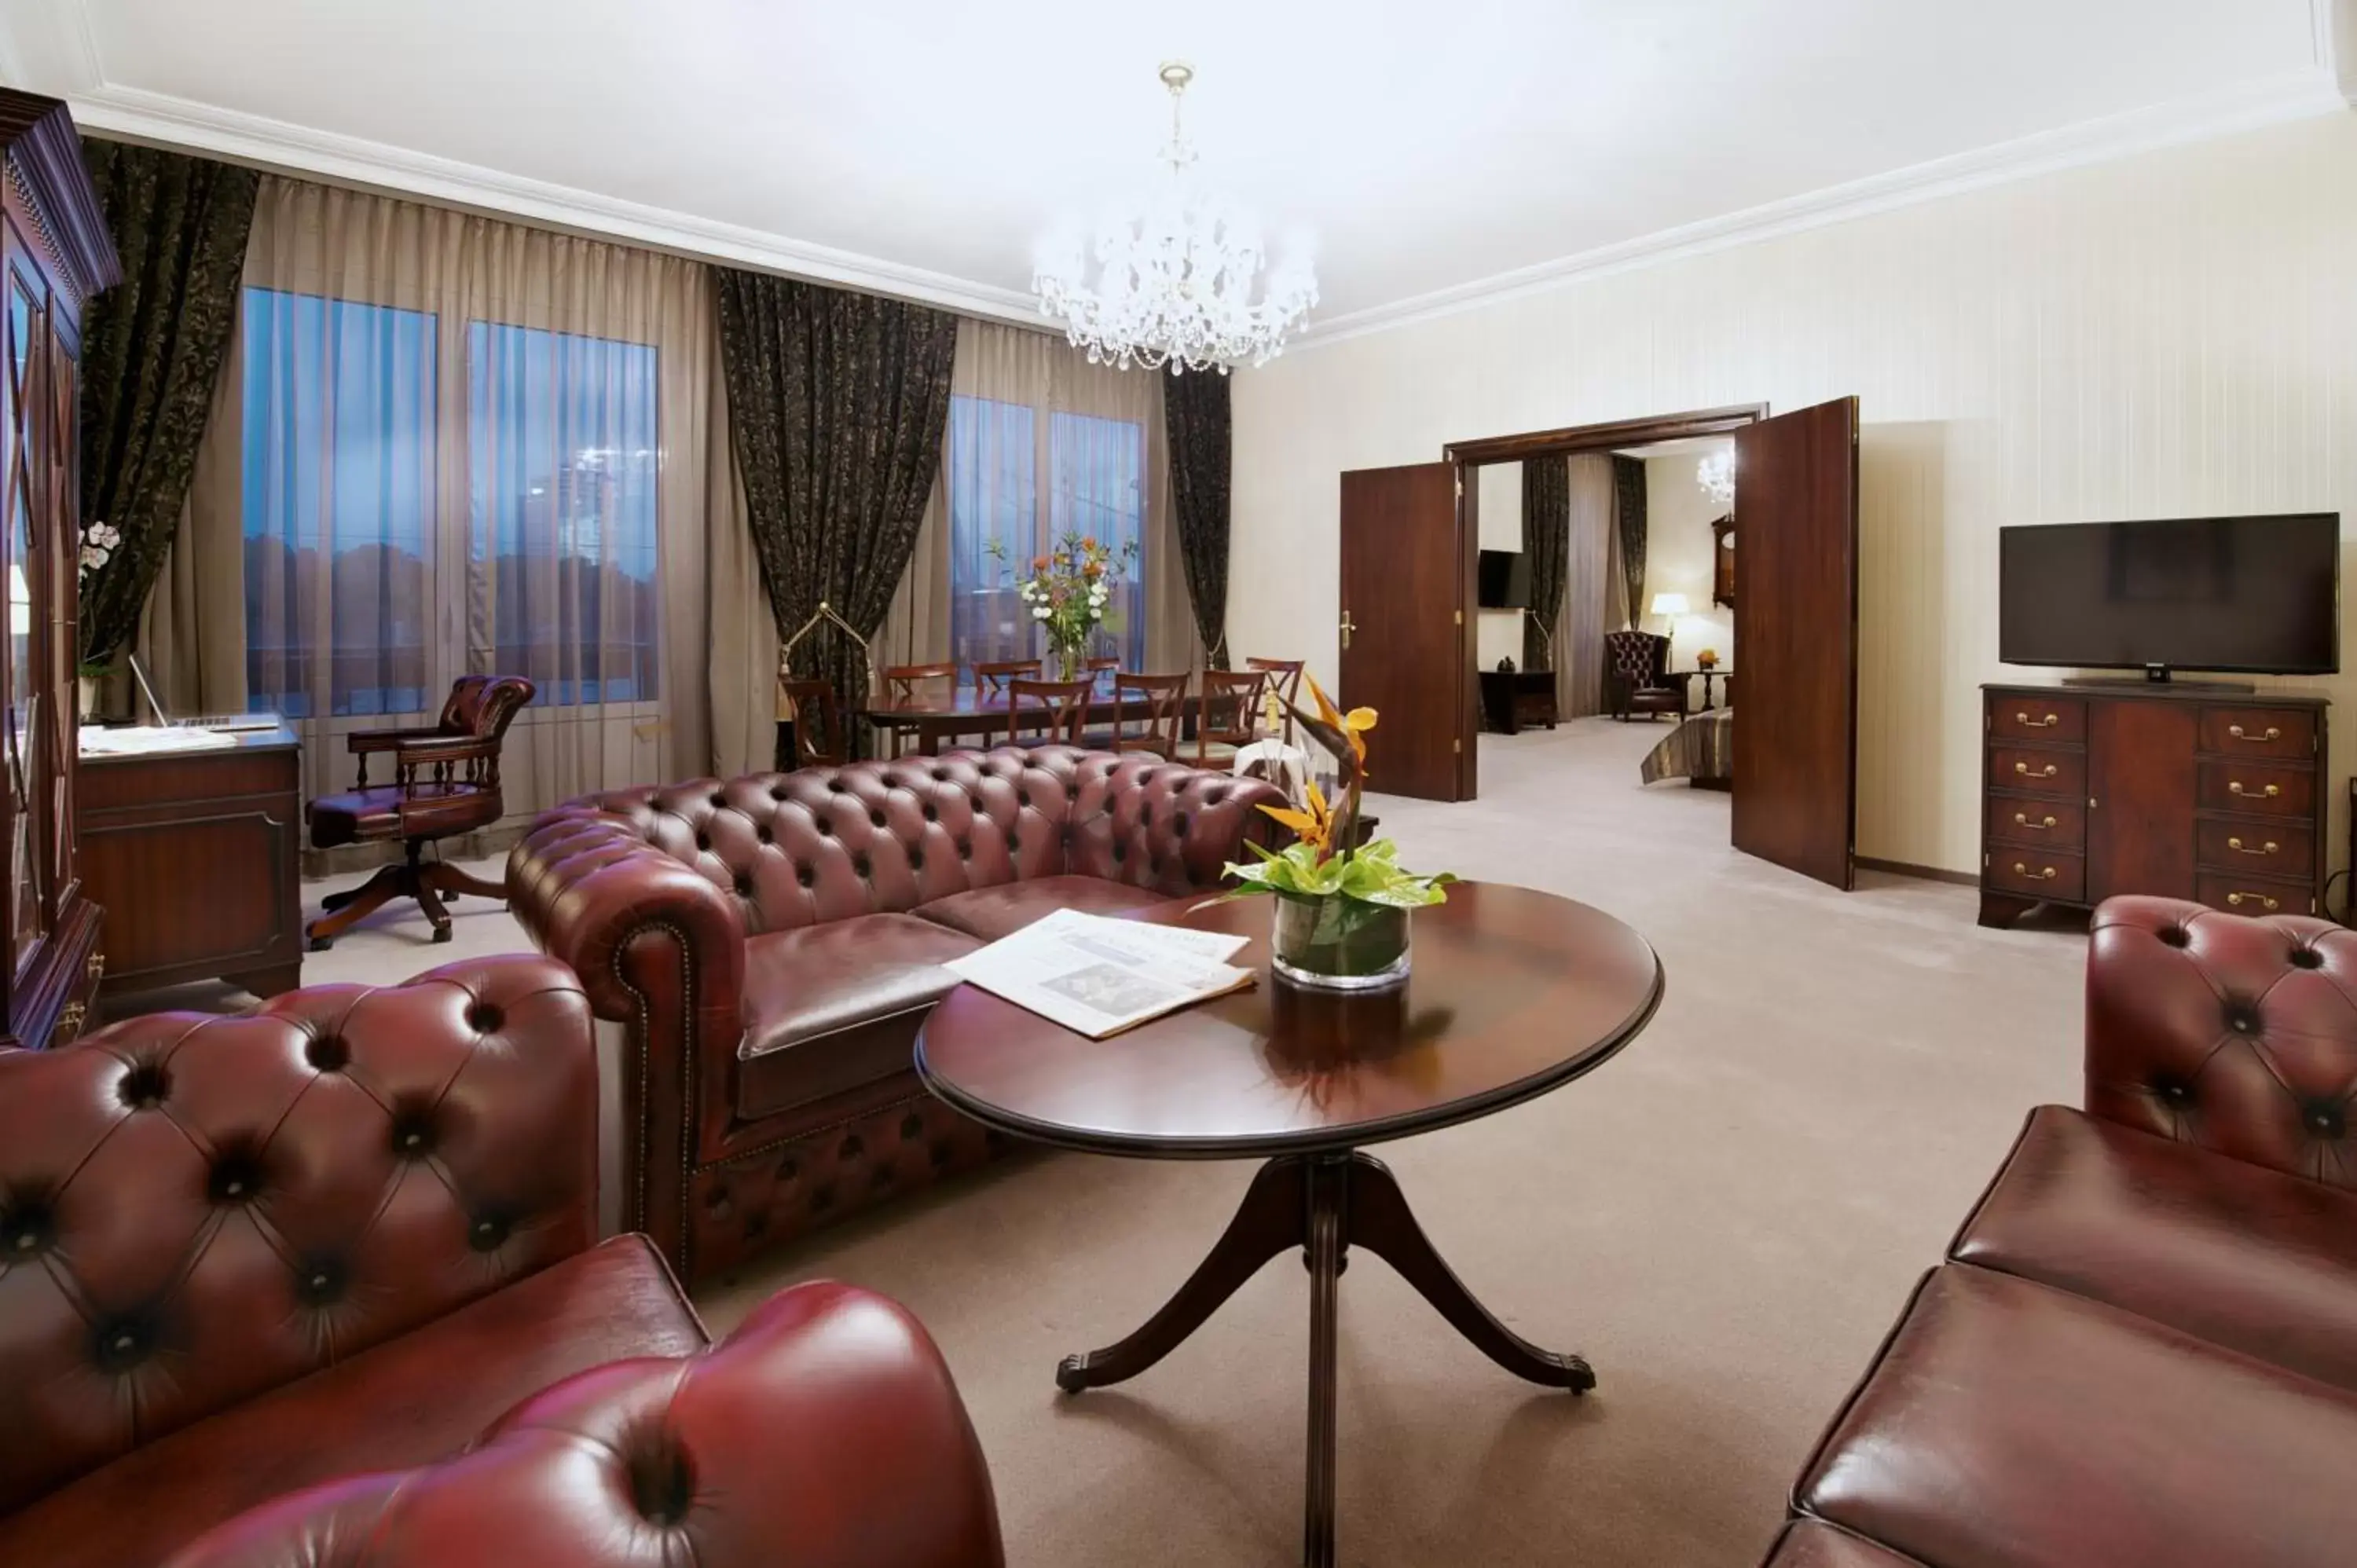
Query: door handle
(2048, 772)
(1349, 626)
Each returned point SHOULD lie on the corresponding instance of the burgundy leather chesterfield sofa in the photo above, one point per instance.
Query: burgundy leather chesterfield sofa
(768, 946)
(242, 1257)
(2142, 1351)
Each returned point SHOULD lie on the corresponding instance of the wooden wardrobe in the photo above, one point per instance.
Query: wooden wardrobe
(54, 256)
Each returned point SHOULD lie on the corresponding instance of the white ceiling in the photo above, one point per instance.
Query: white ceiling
(919, 147)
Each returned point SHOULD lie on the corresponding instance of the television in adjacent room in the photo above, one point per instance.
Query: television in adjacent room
(2243, 595)
(1504, 580)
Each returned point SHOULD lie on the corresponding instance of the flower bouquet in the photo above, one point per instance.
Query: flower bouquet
(1341, 906)
(1068, 591)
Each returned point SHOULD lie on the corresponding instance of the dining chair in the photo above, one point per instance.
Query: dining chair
(991, 676)
(1285, 680)
(818, 724)
(1225, 709)
(903, 685)
(1098, 668)
(1166, 704)
(1062, 706)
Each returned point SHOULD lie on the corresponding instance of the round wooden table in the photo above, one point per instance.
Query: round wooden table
(1512, 993)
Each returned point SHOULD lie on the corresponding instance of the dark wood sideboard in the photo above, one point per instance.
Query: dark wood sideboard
(1513, 699)
(2174, 790)
(196, 857)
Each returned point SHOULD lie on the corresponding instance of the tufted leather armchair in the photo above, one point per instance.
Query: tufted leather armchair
(2143, 1348)
(767, 947)
(243, 1256)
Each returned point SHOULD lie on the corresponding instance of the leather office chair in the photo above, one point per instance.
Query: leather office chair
(1637, 678)
(446, 782)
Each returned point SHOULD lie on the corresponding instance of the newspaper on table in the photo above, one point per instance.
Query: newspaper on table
(1097, 977)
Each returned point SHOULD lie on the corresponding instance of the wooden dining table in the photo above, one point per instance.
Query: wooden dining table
(933, 720)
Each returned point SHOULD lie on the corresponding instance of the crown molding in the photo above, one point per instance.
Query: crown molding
(140, 115)
(2247, 107)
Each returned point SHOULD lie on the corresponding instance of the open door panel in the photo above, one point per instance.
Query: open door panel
(1404, 571)
(1796, 640)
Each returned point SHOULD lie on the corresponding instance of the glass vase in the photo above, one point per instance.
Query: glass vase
(1068, 663)
(1338, 944)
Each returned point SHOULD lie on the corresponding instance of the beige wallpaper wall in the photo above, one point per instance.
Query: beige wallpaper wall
(1678, 549)
(2168, 334)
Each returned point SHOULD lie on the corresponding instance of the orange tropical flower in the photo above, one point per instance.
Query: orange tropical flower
(1313, 825)
(1350, 726)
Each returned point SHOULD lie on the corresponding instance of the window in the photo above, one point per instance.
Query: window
(361, 599)
(562, 475)
(339, 505)
(1096, 468)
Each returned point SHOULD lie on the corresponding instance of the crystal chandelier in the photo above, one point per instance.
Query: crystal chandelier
(1173, 278)
(1716, 475)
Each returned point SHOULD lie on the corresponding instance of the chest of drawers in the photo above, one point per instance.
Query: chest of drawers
(2087, 793)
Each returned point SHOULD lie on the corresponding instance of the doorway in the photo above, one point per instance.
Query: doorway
(1409, 557)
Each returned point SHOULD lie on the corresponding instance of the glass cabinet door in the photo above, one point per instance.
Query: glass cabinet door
(58, 532)
(21, 791)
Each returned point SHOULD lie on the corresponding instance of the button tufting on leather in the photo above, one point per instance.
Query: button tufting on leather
(663, 1484)
(235, 1177)
(328, 1053)
(483, 1018)
(933, 814)
(875, 818)
(777, 792)
(743, 885)
(1178, 824)
(806, 876)
(144, 1087)
(489, 1233)
(2175, 1090)
(719, 801)
(911, 1125)
(2241, 1018)
(703, 841)
(2326, 1121)
(965, 850)
(859, 865)
(2305, 958)
(2173, 936)
(319, 1281)
(941, 775)
(1023, 797)
(764, 834)
(826, 828)
(27, 1231)
(413, 1136)
(916, 860)
(835, 786)
(851, 1148)
(1214, 796)
(122, 1343)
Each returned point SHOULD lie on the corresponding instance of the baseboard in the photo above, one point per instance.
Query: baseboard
(1925, 873)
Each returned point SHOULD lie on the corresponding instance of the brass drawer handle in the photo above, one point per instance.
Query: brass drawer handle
(2264, 902)
(2273, 733)
(2048, 772)
(70, 1017)
(2024, 821)
(2236, 845)
(2049, 722)
(2048, 875)
(96, 967)
(2234, 787)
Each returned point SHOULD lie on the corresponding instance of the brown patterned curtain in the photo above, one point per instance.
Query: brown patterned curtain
(837, 404)
(1546, 546)
(1629, 514)
(152, 351)
(1195, 415)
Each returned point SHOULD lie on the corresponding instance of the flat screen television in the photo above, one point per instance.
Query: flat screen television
(1505, 580)
(2250, 594)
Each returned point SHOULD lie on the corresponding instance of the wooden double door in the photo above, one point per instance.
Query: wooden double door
(1409, 553)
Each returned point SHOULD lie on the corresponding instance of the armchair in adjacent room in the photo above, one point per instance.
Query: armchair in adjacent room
(445, 781)
(1637, 678)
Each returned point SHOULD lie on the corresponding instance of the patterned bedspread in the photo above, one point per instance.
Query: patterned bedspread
(1703, 748)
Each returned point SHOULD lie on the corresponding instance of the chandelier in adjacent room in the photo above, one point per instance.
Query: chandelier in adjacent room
(1716, 475)
(1174, 277)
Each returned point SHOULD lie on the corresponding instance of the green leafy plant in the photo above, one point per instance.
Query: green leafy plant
(1322, 861)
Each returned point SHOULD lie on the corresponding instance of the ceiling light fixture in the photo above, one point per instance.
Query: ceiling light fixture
(1174, 276)
(1716, 475)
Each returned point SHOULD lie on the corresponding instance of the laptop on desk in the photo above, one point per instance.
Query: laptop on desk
(208, 721)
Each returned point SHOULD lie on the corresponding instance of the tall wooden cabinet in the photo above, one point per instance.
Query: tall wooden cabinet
(2179, 790)
(54, 256)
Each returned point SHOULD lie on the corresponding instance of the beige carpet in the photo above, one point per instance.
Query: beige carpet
(1724, 1219)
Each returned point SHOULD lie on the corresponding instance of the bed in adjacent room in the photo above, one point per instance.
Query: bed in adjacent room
(1701, 750)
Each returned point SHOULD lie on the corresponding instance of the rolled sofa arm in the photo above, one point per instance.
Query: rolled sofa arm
(2235, 1033)
(825, 1430)
(660, 952)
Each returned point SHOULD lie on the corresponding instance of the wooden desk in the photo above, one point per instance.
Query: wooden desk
(1513, 698)
(195, 857)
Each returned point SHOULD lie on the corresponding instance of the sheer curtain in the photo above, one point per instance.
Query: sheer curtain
(460, 446)
(1591, 588)
(1042, 443)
